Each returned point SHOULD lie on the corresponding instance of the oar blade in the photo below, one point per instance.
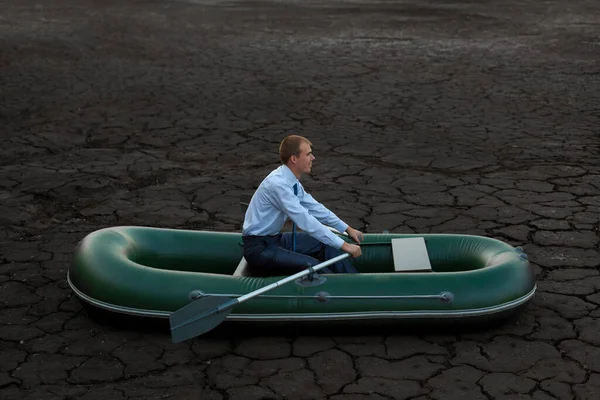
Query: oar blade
(187, 322)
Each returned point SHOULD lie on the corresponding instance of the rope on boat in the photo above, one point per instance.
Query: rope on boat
(444, 297)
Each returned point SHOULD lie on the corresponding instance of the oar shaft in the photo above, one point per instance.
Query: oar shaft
(291, 278)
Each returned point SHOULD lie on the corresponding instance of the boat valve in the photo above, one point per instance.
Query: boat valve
(322, 297)
(446, 297)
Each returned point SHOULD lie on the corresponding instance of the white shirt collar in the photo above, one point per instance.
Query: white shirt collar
(288, 175)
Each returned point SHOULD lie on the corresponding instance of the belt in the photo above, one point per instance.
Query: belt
(258, 239)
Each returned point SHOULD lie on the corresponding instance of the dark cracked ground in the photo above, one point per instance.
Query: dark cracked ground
(439, 116)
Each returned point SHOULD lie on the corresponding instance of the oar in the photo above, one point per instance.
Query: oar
(204, 314)
(332, 229)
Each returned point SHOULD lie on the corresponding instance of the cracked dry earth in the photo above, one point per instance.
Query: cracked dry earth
(439, 116)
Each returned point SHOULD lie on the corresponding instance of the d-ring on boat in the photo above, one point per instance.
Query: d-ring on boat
(153, 272)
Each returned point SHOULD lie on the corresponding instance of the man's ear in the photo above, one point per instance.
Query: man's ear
(293, 159)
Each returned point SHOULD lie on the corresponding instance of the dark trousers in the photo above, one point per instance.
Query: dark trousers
(274, 254)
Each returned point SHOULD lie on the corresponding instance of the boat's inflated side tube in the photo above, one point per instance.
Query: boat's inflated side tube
(152, 271)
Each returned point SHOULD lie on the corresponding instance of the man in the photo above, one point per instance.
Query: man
(281, 196)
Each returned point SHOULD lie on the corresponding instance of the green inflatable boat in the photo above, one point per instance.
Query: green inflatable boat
(152, 272)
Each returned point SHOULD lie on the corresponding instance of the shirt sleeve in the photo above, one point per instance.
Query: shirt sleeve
(320, 212)
(283, 198)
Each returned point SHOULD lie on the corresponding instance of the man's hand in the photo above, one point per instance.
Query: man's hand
(357, 236)
(353, 249)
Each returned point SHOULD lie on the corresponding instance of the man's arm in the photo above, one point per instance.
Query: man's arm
(284, 199)
(320, 212)
(327, 217)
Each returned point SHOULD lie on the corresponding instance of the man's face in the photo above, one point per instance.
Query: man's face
(305, 159)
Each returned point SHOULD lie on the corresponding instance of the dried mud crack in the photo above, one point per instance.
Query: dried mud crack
(445, 117)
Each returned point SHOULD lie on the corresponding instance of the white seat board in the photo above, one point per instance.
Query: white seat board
(410, 254)
(240, 270)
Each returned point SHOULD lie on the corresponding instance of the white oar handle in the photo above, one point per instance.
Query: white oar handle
(291, 278)
(336, 231)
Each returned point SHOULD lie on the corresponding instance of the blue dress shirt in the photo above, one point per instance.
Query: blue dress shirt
(274, 201)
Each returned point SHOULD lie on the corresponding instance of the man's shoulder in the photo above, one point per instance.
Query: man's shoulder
(273, 180)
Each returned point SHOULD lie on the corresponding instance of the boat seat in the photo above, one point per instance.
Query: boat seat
(244, 269)
(410, 255)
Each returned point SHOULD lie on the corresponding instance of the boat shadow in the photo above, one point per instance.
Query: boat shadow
(236, 330)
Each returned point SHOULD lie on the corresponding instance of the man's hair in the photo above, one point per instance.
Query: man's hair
(290, 146)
